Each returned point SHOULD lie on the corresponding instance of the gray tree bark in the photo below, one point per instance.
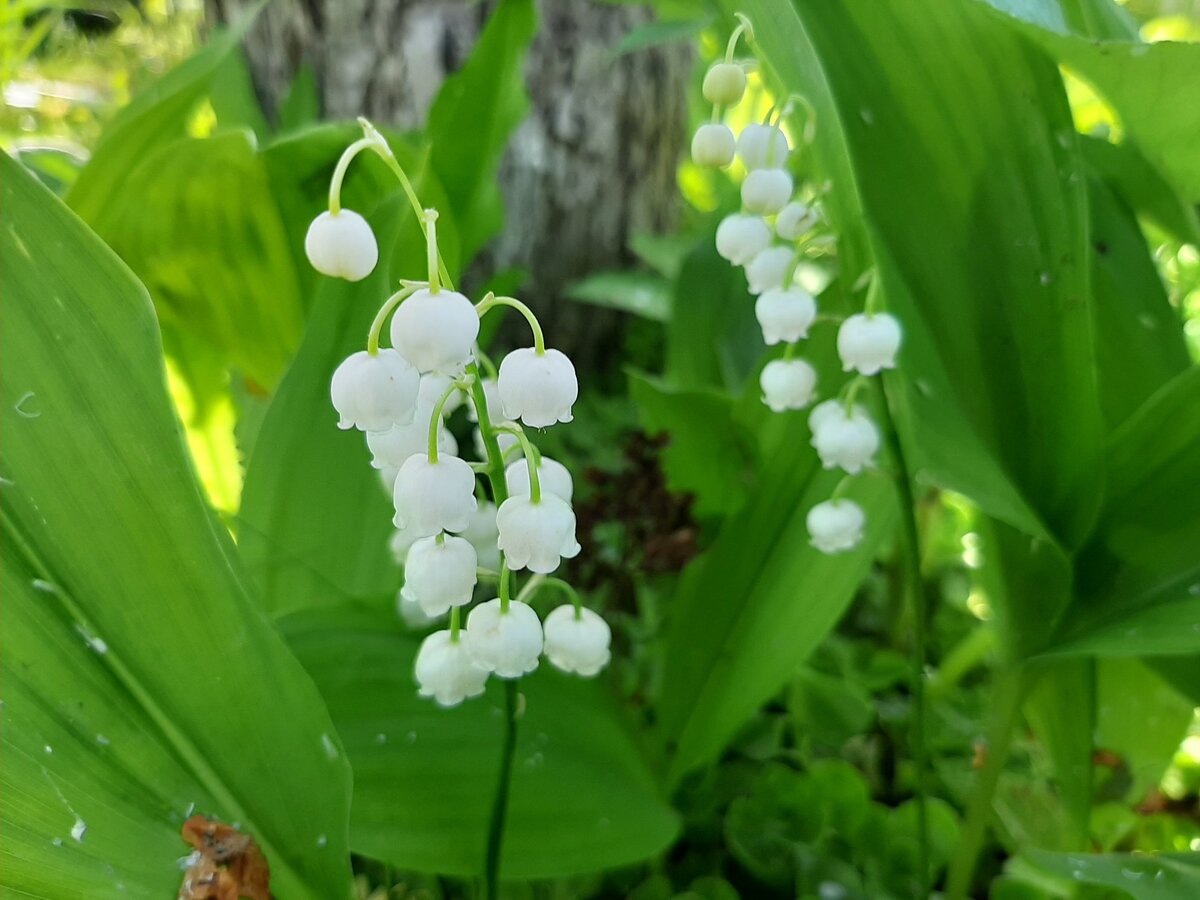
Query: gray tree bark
(593, 162)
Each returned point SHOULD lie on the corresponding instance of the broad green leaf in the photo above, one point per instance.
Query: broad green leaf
(955, 172)
(654, 34)
(140, 680)
(582, 798)
(709, 453)
(472, 117)
(1162, 876)
(231, 94)
(641, 293)
(302, 105)
(1142, 187)
(315, 519)
(154, 116)
(196, 220)
(1138, 580)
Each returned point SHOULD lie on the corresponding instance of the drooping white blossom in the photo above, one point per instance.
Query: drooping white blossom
(341, 245)
(537, 388)
(434, 496)
(537, 536)
(724, 84)
(787, 384)
(762, 147)
(785, 314)
(411, 613)
(389, 449)
(374, 392)
(505, 440)
(868, 343)
(435, 332)
(446, 671)
(482, 532)
(491, 396)
(439, 574)
(553, 476)
(766, 191)
(577, 641)
(713, 145)
(794, 219)
(400, 543)
(835, 525)
(769, 269)
(843, 438)
(505, 642)
(741, 237)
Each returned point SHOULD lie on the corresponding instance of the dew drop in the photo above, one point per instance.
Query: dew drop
(322, 840)
(381, 738)
(867, 116)
(411, 737)
(102, 740)
(46, 587)
(1045, 279)
(20, 408)
(78, 830)
(57, 842)
(48, 749)
(329, 746)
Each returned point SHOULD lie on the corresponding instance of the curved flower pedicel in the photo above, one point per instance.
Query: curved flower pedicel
(452, 530)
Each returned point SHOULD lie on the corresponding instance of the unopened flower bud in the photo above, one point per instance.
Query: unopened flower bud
(769, 269)
(577, 641)
(341, 245)
(846, 439)
(724, 84)
(434, 496)
(440, 574)
(762, 147)
(506, 642)
(553, 476)
(436, 332)
(374, 392)
(538, 389)
(740, 238)
(446, 672)
(785, 314)
(713, 145)
(836, 525)
(868, 343)
(787, 384)
(766, 191)
(537, 536)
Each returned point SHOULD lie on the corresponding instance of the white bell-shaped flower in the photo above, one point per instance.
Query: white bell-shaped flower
(538, 389)
(482, 532)
(787, 384)
(794, 219)
(400, 543)
(411, 614)
(446, 671)
(505, 440)
(766, 191)
(508, 642)
(341, 245)
(436, 332)
(740, 238)
(552, 475)
(433, 386)
(387, 478)
(785, 314)
(762, 147)
(868, 343)
(389, 449)
(537, 536)
(835, 525)
(844, 439)
(491, 395)
(373, 393)
(769, 270)
(577, 640)
(724, 84)
(440, 574)
(434, 496)
(713, 145)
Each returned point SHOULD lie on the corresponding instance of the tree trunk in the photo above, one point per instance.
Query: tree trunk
(593, 162)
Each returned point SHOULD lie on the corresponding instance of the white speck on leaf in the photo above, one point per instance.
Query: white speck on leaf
(381, 738)
(322, 840)
(20, 409)
(102, 740)
(48, 749)
(46, 587)
(57, 842)
(78, 830)
(329, 746)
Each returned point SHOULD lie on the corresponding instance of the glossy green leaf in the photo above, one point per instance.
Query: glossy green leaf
(472, 117)
(424, 777)
(1163, 876)
(140, 680)
(949, 146)
(641, 293)
(709, 453)
(1138, 580)
(1141, 187)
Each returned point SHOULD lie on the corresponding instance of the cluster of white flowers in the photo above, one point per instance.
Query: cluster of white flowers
(766, 238)
(449, 535)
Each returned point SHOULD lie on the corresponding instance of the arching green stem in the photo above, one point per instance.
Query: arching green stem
(434, 260)
(386, 310)
(532, 457)
(744, 27)
(435, 421)
(455, 627)
(491, 301)
(542, 581)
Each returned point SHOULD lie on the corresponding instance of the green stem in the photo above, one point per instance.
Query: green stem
(1009, 690)
(435, 421)
(911, 549)
(454, 624)
(500, 802)
(384, 311)
(744, 27)
(532, 459)
(491, 301)
(429, 217)
(546, 581)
